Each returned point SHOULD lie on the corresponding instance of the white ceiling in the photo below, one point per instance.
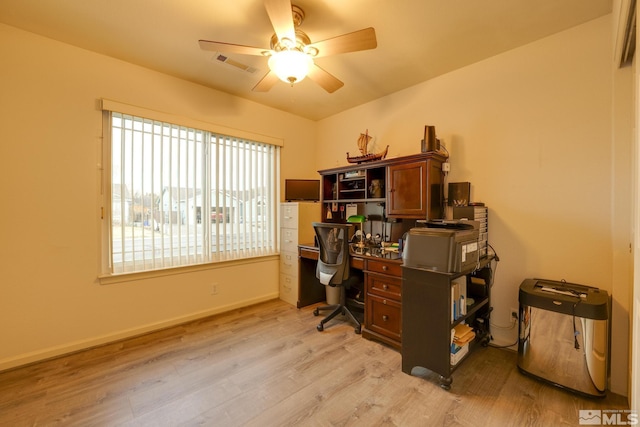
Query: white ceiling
(417, 39)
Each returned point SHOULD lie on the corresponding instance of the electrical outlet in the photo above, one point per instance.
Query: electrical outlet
(214, 289)
(514, 313)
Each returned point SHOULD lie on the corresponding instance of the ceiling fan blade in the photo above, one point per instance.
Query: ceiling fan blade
(324, 79)
(281, 17)
(267, 82)
(231, 48)
(351, 42)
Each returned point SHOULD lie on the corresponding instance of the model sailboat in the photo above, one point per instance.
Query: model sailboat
(365, 156)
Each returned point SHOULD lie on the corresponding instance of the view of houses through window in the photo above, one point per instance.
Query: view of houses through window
(183, 196)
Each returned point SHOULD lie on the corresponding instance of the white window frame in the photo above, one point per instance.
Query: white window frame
(237, 229)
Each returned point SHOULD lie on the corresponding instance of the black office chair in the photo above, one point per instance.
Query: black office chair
(333, 268)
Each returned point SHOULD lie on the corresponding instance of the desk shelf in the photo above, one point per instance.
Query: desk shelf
(339, 189)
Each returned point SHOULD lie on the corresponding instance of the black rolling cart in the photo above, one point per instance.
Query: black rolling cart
(428, 321)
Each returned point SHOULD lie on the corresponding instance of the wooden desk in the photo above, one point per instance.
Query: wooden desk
(310, 290)
(382, 286)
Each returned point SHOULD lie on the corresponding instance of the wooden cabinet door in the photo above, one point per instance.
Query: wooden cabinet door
(407, 189)
(415, 190)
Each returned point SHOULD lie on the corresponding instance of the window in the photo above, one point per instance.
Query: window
(180, 195)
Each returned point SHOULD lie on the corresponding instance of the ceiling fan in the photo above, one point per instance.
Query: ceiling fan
(291, 54)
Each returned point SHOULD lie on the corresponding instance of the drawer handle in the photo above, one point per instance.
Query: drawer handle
(385, 318)
(385, 268)
(384, 301)
(385, 287)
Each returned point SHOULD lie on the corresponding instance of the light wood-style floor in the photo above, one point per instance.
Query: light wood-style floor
(266, 365)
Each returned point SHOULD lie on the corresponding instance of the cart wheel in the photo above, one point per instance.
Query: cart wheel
(445, 383)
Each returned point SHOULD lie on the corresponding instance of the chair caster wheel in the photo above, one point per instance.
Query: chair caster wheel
(316, 312)
(320, 327)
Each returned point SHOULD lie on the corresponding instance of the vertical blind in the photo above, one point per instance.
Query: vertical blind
(184, 196)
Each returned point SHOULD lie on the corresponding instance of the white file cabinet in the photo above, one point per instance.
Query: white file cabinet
(295, 228)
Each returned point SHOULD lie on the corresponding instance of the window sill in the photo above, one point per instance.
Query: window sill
(109, 279)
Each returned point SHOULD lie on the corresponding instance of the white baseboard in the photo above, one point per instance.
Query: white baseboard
(57, 351)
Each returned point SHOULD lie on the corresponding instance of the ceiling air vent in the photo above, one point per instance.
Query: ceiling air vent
(233, 63)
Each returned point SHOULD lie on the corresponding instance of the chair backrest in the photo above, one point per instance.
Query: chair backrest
(333, 262)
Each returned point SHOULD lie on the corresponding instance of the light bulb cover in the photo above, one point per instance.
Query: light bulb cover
(290, 65)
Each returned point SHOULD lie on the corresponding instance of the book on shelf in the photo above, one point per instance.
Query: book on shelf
(458, 298)
(459, 354)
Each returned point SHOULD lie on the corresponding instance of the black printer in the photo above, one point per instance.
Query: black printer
(443, 246)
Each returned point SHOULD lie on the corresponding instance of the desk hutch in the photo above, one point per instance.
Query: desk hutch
(411, 187)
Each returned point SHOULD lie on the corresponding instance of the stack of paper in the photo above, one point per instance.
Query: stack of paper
(462, 334)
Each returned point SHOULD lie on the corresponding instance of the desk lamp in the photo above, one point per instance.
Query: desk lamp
(358, 219)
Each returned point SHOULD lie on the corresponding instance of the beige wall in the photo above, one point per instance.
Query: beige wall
(50, 299)
(531, 129)
(622, 221)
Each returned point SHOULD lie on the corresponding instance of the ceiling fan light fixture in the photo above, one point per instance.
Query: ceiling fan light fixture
(291, 54)
(290, 65)
(310, 50)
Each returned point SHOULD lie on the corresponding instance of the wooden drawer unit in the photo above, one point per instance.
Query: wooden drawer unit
(384, 286)
(308, 253)
(357, 263)
(383, 302)
(384, 267)
(383, 317)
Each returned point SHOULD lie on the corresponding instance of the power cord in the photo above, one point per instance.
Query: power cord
(495, 254)
(503, 346)
(514, 321)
